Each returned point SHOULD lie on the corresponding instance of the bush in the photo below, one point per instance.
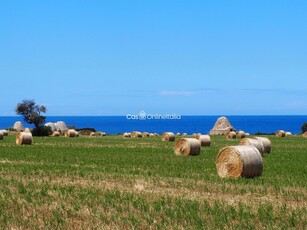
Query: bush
(42, 131)
(304, 127)
(262, 133)
(86, 131)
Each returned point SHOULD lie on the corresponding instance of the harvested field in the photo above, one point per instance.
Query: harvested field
(116, 183)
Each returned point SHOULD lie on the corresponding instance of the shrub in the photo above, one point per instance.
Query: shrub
(42, 131)
(86, 131)
(304, 127)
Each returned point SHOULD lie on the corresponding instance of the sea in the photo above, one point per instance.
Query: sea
(188, 124)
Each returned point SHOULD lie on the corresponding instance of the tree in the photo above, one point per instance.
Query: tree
(31, 112)
(304, 127)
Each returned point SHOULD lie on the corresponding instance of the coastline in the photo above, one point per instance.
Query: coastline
(187, 123)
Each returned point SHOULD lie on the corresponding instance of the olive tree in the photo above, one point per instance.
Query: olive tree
(31, 112)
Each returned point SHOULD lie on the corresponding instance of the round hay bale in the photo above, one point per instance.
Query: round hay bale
(152, 135)
(1, 135)
(92, 134)
(145, 134)
(247, 134)
(240, 134)
(136, 134)
(280, 133)
(204, 140)
(187, 146)
(168, 136)
(239, 161)
(304, 134)
(56, 134)
(24, 138)
(184, 134)
(5, 132)
(177, 134)
(126, 134)
(253, 142)
(27, 130)
(288, 134)
(231, 135)
(267, 146)
(71, 133)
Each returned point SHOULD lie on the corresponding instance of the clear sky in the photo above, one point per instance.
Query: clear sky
(162, 56)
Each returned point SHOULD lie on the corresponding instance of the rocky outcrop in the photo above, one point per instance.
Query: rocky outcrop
(221, 127)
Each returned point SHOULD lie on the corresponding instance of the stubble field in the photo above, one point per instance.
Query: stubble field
(116, 183)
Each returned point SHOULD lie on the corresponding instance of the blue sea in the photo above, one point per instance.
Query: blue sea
(188, 124)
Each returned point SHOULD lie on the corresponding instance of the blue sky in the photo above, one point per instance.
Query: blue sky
(185, 57)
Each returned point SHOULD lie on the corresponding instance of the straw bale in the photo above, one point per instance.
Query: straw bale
(24, 138)
(253, 142)
(231, 135)
(187, 146)
(239, 161)
(168, 136)
(204, 140)
(267, 146)
(280, 133)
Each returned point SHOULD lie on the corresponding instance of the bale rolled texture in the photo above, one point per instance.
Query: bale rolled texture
(136, 134)
(92, 134)
(56, 134)
(231, 135)
(24, 138)
(253, 142)
(71, 133)
(288, 134)
(239, 161)
(126, 134)
(267, 146)
(240, 134)
(168, 136)
(5, 132)
(204, 140)
(187, 146)
(280, 133)
(304, 134)
(1, 135)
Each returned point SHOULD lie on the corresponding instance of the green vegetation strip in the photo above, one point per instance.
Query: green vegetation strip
(111, 182)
